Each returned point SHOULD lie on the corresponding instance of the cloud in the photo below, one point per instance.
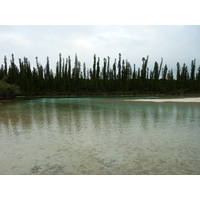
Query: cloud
(173, 43)
(83, 43)
(14, 39)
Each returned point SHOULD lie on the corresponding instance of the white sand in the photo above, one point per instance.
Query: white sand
(184, 100)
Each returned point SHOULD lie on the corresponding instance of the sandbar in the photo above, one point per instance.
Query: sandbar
(183, 100)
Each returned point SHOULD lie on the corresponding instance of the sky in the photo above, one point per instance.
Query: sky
(173, 43)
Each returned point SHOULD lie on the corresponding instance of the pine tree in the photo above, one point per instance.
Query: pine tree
(69, 69)
(22, 76)
(5, 66)
(98, 68)
(165, 73)
(119, 67)
(160, 68)
(193, 70)
(47, 70)
(108, 67)
(84, 71)
(104, 69)
(198, 74)
(123, 70)
(40, 81)
(134, 73)
(184, 73)
(65, 70)
(144, 68)
(156, 71)
(47, 75)
(13, 72)
(114, 70)
(94, 68)
(1, 72)
(178, 72)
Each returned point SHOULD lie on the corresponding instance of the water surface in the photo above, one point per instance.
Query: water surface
(99, 136)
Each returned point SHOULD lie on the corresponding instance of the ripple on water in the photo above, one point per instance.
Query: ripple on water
(94, 136)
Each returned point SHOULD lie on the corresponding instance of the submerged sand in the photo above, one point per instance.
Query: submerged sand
(184, 100)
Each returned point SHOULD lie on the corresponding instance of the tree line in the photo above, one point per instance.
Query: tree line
(119, 77)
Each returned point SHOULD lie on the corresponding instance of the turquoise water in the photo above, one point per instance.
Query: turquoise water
(99, 136)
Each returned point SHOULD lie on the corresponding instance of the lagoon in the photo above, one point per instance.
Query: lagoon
(99, 136)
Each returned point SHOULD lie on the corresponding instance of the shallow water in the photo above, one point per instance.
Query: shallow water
(99, 136)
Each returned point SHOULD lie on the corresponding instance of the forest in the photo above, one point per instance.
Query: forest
(117, 78)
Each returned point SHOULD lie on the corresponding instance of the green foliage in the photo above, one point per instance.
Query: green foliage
(105, 78)
(8, 91)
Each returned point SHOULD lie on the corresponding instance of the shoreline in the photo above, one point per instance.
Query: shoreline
(161, 100)
(136, 98)
(107, 95)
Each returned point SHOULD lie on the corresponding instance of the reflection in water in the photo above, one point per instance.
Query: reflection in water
(99, 136)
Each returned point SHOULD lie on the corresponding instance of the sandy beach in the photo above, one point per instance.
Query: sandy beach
(183, 100)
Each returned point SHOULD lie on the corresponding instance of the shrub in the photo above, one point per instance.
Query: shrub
(8, 91)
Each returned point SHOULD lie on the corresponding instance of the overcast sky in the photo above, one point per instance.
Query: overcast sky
(173, 43)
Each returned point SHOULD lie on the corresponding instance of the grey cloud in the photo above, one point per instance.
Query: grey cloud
(173, 43)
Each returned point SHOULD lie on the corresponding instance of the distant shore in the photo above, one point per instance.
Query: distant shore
(139, 97)
(106, 95)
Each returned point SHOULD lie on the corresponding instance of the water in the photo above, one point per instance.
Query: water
(99, 136)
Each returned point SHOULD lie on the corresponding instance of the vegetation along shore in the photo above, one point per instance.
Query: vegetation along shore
(117, 78)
